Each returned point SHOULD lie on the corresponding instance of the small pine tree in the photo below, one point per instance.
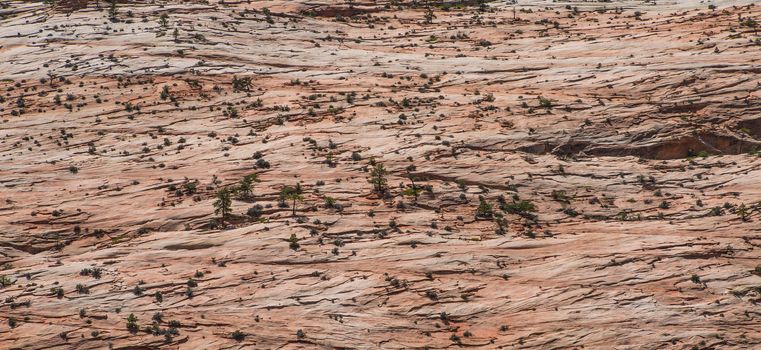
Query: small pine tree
(292, 194)
(112, 11)
(165, 94)
(378, 178)
(223, 204)
(246, 185)
(414, 190)
(429, 16)
(293, 242)
(132, 323)
(484, 209)
(743, 212)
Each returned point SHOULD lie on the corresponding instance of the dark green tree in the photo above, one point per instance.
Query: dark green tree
(291, 194)
(743, 212)
(378, 178)
(246, 185)
(112, 11)
(293, 242)
(132, 323)
(223, 204)
(484, 208)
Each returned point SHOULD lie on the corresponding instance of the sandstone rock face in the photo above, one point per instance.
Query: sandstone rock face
(558, 175)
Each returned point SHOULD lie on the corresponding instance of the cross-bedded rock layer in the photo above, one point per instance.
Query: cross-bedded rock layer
(560, 175)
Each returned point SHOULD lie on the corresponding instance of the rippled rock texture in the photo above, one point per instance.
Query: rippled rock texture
(559, 175)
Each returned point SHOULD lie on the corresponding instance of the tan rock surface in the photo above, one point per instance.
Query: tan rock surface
(633, 129)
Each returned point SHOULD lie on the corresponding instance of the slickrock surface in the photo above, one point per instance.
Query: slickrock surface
(586, 173)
